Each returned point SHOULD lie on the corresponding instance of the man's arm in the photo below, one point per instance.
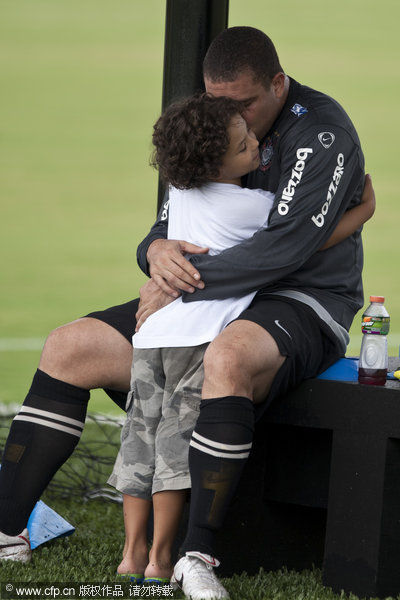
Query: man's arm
(158, 231)
(354, 218)
(163, 260)
(315, 188)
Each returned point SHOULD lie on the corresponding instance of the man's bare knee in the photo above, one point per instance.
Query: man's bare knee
(62, 346)
(88, 353)
(223, 363)
(54, 349)
(243, 360)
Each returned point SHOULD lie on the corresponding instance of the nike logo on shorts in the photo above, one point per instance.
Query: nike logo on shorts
(283, 329)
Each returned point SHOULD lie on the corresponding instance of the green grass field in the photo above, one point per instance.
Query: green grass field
(81, 88)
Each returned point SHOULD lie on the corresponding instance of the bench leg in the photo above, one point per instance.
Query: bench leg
(354, 521)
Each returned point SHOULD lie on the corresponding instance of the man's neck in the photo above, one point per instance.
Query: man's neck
(282, 102)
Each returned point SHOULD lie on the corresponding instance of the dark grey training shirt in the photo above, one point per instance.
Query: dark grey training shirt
(312, 160)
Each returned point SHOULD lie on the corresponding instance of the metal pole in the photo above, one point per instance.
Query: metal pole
(190, 26)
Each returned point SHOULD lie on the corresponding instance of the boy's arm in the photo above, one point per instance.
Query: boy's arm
(152, 299)
(355, 217)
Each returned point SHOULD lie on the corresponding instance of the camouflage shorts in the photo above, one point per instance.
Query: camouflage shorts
(164, 405)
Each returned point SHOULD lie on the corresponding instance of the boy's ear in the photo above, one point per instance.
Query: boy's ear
(220, 173)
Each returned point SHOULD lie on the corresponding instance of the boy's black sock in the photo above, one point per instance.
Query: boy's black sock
(42, 436)
(219, 448)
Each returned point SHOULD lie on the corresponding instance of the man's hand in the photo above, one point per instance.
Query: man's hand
(152, 298)
(169, 268)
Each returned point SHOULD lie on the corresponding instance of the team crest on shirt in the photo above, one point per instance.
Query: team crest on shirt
(267, 151)
(266, 154)
(298, 110)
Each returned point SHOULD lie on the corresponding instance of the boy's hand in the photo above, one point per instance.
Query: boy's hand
(368, 196)
(151, 300)
(169, 268)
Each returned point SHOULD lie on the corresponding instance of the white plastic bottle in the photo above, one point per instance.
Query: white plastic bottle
(373, 363)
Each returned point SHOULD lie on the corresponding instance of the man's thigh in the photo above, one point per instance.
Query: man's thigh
(300, 337)
(241, 361)
(122, 318)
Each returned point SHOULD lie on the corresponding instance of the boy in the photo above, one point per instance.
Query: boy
(203, 148)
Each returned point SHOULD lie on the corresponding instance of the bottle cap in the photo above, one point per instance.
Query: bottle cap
(377, 299)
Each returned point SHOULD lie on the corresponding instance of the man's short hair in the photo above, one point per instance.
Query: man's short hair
(239, 49)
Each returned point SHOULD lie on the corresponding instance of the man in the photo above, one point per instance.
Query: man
(295, 328)
(297, 324)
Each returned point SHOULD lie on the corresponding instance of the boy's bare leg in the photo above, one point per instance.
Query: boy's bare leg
(135, 553)
(168, 507)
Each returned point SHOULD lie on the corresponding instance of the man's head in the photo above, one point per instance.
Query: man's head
(242, 63)
(201, 139)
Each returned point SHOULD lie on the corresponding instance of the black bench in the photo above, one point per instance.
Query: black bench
(322, 487)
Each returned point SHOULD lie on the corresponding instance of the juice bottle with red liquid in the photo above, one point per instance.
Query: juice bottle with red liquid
(373, 363)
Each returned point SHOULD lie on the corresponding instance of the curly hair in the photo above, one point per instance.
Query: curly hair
(191, 139)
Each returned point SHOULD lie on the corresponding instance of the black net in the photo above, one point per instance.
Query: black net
(86, 472)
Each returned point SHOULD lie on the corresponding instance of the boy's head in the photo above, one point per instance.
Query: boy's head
(202, 139)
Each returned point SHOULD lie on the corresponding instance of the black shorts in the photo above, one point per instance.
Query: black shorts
(122, 318)
(301, 336)
(305, 340)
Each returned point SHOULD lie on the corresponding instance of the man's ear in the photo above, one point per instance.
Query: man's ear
(278, 84)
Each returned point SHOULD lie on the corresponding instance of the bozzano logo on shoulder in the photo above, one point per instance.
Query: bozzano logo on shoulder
(295, 178)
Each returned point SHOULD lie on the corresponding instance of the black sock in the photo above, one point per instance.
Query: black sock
(218, 451)
(42, 436)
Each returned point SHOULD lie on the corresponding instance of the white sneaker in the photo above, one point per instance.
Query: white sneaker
(15, 547)
(194, 574)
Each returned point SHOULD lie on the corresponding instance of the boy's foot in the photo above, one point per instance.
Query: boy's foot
(136, 578)
(194, 574)
(156, 581)
(159, 569)
(15, 547)
(133, 564)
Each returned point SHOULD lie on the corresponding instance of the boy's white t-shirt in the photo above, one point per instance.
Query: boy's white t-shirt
(217, 216)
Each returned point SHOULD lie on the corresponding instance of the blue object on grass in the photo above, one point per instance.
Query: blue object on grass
(45, 524)
(345, 369)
